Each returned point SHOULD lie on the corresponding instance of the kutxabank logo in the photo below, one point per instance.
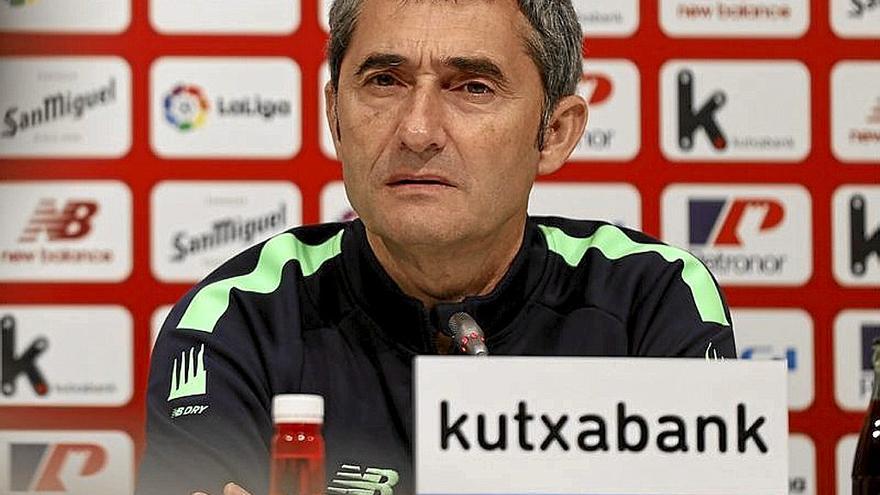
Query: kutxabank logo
(863, 243)
(25, 363)
(43, 467)
(691, 119)
(186, 107)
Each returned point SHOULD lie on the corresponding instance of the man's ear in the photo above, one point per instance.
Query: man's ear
(563, 132)
(331, 112)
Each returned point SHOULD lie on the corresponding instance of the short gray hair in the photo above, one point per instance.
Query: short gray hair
(554, 45)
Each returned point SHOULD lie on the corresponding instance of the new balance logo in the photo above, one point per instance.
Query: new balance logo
(12, 366)
(41, 467)
(350, 480)
(188, 376)
(863, 244)
(705, 228)
(691, 120)
(72, 222)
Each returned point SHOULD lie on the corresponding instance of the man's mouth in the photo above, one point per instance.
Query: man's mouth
(418, 181)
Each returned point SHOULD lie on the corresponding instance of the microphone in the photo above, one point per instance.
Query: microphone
(467, 336)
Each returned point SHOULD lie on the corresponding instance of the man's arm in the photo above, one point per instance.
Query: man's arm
(682, 312)
(208, 419)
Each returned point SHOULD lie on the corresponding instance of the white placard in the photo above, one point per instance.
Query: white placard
(586, 425)
(612, 89)
(783, 334)
(854, 331)
(269, 17)
(197, 225)
(856, 227)
(607, 18)
(855, 18)
(801, 465)
(79, 462)
(71, 16)
(66, 355)
(735, 18)
(223, 107)
(844, 456)
(70, 107)
(745, 234)
(76, 231)
(855, 110)
(617, 203)
(735, 111)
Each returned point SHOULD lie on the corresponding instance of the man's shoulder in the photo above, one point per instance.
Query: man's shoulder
(275, 265)
(308, 245)
(575, 240)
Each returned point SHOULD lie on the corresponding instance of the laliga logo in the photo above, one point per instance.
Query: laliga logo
(38, 467)
(706, 214)
(598, 88)
(186, 107)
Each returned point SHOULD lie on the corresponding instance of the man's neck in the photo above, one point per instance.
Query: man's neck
(448, 273)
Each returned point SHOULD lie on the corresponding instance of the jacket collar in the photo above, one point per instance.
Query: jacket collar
(405, 321)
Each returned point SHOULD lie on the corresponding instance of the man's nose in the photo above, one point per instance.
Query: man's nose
(421, 125)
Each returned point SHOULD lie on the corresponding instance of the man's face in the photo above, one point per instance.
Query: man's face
(439, 107)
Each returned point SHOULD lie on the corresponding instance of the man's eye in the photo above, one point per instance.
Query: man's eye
(382, 80)
(477, 88)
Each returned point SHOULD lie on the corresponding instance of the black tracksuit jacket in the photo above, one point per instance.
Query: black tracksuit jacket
(312, 311)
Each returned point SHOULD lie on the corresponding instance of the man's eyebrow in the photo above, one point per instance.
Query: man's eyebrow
(480, 66)
(380, 61)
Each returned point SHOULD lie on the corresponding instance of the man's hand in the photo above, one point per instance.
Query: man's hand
(229, 489)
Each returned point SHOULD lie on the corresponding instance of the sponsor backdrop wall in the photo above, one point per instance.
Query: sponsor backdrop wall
(143, 143)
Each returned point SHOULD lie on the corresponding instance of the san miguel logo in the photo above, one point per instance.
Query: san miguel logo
(55, 107)
(860, 8)
(227, 231)
(691, 119)
(187, 107)
(24, 364)
(45, 467)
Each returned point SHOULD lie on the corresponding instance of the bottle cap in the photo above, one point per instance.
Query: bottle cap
(298, 408)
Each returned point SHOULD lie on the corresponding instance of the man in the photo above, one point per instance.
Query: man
(442, 114)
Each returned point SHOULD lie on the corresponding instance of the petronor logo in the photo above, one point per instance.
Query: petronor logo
(350, 480)
(71, 222)
(188, 375)
(717, 222)
(41, 467)
(599, 87)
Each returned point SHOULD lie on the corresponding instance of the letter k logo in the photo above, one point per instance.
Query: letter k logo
(690, 120)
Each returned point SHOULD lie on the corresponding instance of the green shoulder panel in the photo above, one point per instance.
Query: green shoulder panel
(211, 301)
(614, 244)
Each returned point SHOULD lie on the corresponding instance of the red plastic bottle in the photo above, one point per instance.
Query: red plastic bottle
(866, 465)
(298, 446)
